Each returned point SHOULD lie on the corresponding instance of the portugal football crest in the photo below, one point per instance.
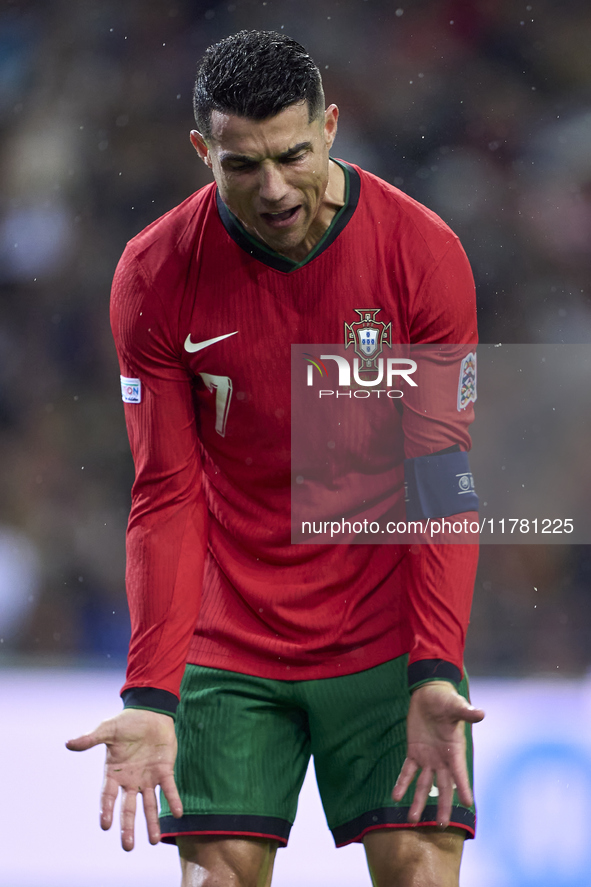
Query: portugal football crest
(368, 336)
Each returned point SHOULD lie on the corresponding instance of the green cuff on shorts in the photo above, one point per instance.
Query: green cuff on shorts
(425, 670)
(151, 699)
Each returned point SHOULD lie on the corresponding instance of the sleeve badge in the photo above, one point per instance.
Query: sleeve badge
(467, 383)
(131, 390)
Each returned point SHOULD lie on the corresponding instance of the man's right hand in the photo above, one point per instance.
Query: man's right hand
(141, 751)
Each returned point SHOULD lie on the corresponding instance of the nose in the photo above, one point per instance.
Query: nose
(272, 185)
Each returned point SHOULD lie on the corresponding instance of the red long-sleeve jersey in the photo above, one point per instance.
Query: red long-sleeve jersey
(203, 318)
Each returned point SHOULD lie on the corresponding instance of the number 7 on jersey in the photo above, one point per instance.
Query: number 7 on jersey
(222, 385)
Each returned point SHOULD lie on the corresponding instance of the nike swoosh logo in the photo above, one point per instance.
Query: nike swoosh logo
(192, 347)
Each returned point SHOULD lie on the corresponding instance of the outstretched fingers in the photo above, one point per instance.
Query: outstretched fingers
(141, 750)
(129, 809)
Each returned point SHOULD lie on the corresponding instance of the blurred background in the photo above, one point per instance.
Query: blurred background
(481, 110)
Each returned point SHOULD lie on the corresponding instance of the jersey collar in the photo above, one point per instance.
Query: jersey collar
(268, 256)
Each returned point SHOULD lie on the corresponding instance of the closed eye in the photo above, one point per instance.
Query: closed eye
(293, 158)
(241, 166)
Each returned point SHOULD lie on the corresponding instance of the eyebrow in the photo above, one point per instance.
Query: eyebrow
(243, 158)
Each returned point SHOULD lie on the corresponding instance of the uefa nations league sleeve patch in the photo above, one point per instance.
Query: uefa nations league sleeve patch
(467, 383)
(131, 390)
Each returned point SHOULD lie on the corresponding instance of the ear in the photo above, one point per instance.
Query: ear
(198, 143)
(331, 116)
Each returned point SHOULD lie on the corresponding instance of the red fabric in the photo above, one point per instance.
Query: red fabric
(261, 605)
(167, 836)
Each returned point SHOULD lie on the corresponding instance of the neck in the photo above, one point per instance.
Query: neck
(333, 200)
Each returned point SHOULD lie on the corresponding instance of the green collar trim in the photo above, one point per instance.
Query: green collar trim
(259, 250)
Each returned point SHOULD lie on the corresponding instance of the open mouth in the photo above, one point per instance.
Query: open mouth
(278, 220)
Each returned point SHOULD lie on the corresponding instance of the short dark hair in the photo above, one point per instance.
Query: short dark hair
(255, 74)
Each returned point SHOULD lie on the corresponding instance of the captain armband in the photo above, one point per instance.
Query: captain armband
(439, 485)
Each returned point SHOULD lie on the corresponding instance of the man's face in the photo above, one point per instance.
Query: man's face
(272, 174)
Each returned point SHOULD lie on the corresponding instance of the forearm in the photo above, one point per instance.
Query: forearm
(164, 578)
(440, 588)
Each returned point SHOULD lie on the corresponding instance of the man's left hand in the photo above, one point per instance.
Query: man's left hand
(436, 745)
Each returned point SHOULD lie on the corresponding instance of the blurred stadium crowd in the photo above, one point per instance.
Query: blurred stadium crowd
(481, 110)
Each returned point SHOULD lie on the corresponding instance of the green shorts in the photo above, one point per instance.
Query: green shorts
(245, 743)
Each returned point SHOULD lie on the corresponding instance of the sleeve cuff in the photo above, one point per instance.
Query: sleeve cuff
(151, 699)
(425, 670)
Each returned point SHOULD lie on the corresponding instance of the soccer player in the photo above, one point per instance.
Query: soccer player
(350, 652)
